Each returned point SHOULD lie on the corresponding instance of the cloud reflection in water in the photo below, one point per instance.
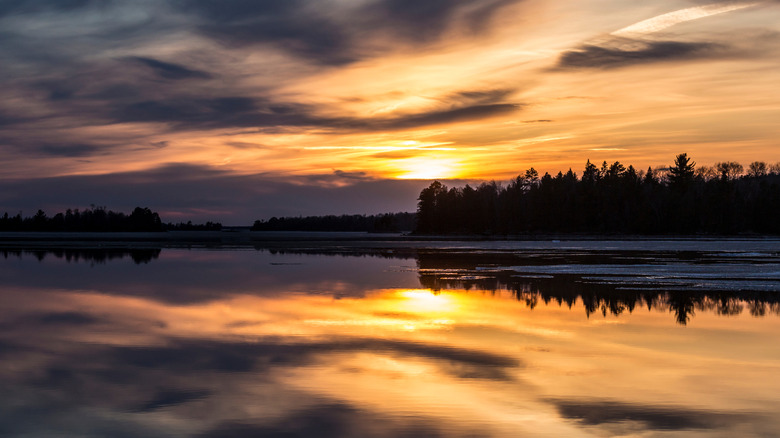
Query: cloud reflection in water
(241, 343)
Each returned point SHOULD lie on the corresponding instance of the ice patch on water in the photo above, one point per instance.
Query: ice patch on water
(731, 276)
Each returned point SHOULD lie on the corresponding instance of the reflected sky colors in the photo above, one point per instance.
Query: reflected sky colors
(254, 343)
(255, 102)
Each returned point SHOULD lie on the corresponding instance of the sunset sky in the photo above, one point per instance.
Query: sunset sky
(235, 110)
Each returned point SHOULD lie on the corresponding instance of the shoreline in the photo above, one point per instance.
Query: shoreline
(355, 240)
(349, 235)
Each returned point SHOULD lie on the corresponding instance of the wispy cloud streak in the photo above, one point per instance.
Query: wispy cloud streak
(636, 44)
(665, 21)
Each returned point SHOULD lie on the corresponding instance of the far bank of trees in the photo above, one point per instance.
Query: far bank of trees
(98, 219)
(379, 223)
(680, 199)
(611, 199)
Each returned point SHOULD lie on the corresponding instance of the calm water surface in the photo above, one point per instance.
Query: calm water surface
(331, 341)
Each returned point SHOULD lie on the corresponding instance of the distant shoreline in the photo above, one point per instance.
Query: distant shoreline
(243, 238)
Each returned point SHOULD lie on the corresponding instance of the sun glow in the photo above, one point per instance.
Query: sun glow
(427, 168)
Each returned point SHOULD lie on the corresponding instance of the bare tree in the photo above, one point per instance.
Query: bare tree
(706, 172)
(729, 170)
(757, 168)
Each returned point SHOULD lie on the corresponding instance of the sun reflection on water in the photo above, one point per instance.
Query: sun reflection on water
(423, 300)
(402, 309)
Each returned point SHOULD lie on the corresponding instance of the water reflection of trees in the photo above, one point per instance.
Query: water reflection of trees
(87, 255)
(438, 272)
(340, 251)
(475, 270)
(481, 270)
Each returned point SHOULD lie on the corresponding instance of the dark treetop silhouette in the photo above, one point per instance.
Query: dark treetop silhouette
(98, 219)
(612, 199)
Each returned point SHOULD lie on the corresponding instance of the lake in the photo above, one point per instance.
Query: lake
(666, 338)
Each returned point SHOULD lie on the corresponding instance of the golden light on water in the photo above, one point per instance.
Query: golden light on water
(473, 360)
(424, 301)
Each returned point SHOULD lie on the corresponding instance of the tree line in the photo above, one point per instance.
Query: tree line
(375, 223)
(98, 219)
(613, 199)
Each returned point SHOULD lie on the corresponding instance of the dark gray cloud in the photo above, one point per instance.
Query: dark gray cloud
(67, 318)
(170, 397)
(169, 70)
(462, 114)
(193, 112)
(22, 143)
(285, 27)
(185, 113)
(96, 85)
(327, 420)
(63, 149)
(607, 57)
(656, 417)
(430, 19)
(482, 96)
(111, 91)
(306, 29)
(56, 320)
(10, 7)
(9, 120)
(8, 348)
(71, 79)
(351, 175)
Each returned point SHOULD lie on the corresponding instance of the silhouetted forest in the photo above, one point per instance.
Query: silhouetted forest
(98, 219)
(680, 199)
(380, 223)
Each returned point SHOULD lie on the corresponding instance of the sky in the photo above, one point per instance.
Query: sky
(236, 110)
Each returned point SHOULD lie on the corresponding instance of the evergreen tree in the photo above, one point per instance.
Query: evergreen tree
(681, 173)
